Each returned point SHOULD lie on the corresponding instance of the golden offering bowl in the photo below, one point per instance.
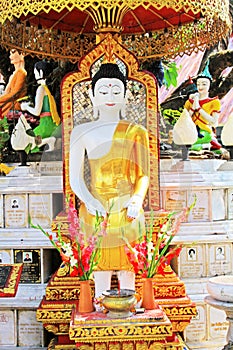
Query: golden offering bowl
(119, 303)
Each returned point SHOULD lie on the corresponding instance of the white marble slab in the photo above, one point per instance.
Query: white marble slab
(218, 325)
(174, 200)
(201, 210)
(230, 203)
(5, 256)
(40, 209)
(8, 333)
(29, 330)
(24, 238)
(196, 331)
(218, 204)
(32, 184)
(28, 297)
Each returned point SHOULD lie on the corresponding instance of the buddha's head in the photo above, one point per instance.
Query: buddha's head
(108, 93)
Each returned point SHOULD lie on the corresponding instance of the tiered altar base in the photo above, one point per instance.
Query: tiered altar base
(57, 312)
(97, 331)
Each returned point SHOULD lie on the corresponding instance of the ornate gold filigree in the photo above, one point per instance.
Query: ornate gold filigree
(179, 326)
(53, 316)
(54, 346)
(121, 333)
(12, 8)
(62, 294)
(180, 312)
(64, 270)
(175, 40)
(166, 291)
(64, 328)
(51, 328)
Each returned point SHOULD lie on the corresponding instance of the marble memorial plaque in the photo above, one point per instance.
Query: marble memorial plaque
(174, 200)
(16, 213)
(40, 209)
(5, 256)
(30, 331)
(218, 205)
(192, 262)
(200, 212)
(220, 259)
(196, 330)
(218, 325)
(7, 328)
(230, 203)
(31, 259)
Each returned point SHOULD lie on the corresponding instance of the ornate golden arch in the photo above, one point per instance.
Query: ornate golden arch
(109, 50)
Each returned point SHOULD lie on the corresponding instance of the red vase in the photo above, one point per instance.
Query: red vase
(85, 303)
(148, 299)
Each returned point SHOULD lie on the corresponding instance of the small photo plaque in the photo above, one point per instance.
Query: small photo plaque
(192, 262)
(31, 260)
(220, 259)
(16, 213)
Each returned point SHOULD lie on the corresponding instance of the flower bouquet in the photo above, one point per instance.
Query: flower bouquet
(79, 252)
(150, 256)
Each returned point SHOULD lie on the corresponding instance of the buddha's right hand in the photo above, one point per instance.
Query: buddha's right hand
(94, 206)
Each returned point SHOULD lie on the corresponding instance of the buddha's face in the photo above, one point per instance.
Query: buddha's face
(109, 95)
(203, 85)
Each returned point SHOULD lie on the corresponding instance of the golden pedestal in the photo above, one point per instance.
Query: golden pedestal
(57, 313)
(96, 331)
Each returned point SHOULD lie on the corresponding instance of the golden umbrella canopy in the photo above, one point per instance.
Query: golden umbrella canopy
(68, 29)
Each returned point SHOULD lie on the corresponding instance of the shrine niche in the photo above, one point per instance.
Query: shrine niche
(142, 105)
(62, 293)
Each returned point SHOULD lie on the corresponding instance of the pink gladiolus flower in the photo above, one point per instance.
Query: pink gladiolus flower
(79, 252)
(148, 257)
